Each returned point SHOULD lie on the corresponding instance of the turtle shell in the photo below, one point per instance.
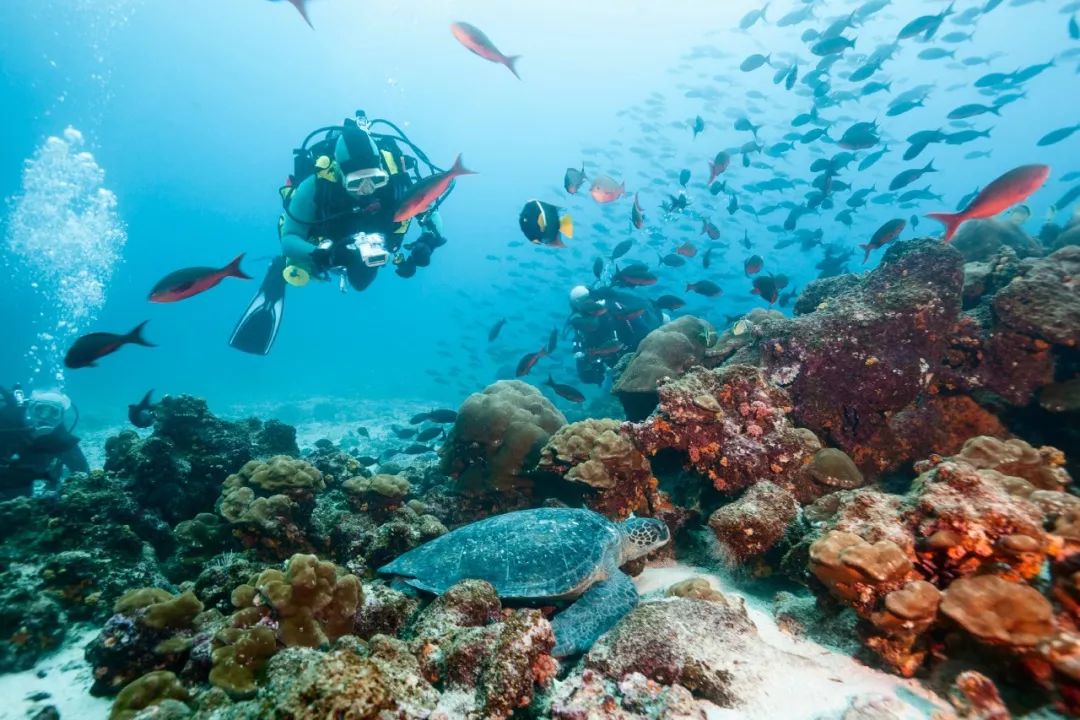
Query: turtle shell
(541, 553)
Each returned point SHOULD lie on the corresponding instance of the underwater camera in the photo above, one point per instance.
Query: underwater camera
(372, 250)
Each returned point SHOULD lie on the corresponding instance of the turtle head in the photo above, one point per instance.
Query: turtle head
(641, 536)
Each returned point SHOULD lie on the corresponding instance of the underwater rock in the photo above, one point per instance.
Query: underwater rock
(384, 611)
(668, 351)
(268, 505)
(615, 478)
(31, 624)
(1044, 302)
(867, 352)
(498, 435)
(731, 425)
(979, 240)
(976, 698)
(467, 644)
(178, 470)
(998, 612)
(753, 524)
(708, 647)
(986, 277)
(633, 697)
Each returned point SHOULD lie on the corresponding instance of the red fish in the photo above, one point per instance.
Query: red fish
(707, 228)
(687, 249)
(606, 349)
(476, 41)
(88, 349)
(182, 284)
(428, 190)
(718, 166)
(753, 264)
(765, 286)
(1010, 189)
(528, 362)
(604, 189)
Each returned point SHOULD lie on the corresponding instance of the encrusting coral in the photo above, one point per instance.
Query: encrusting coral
(595, 455)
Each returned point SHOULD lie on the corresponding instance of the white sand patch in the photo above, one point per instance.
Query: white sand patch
(66, 679)
(819, 681)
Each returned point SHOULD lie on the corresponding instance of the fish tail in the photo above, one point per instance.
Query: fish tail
(458, 168)
(135, 336)
(867, 248)
(566, 226)
(550, 381)
(302, 9)
(233, 268)
(510, 62)
(951, 221)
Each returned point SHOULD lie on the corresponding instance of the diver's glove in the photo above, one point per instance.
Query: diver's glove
(419, 254)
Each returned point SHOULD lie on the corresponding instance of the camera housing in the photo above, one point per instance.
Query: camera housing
(372, 249)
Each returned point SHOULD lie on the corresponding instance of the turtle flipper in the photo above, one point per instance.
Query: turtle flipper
(595, 612)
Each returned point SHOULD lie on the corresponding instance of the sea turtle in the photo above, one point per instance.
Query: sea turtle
(543, 554)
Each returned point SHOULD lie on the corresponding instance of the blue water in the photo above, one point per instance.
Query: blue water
(192, 109)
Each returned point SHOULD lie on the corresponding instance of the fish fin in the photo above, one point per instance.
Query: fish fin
(458, 168)
(146, 397)
(951, 221)
(135, 336)
(867, 248)
(550, 380)
(566, 226)
(510, 63)
(233, 268)
(541, 218)
(302, 9)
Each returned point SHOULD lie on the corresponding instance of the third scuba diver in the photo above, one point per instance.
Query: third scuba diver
(339, 207)
(608, 324)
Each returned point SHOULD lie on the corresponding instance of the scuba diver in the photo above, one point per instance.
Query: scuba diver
(36, 440)
(339, 207)
(608, 324)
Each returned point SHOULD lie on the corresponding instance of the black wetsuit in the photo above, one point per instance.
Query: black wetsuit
(25, 458)
(607, 328)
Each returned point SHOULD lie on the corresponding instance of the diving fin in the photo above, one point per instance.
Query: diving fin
(258, 326)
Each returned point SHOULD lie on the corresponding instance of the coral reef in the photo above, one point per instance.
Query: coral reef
(1044, 302)
(497, 435)
(178, 469)
(753, 524)
(151, 629)
(960, 556)
(596, 455)
(632, 697)
(668, 351)
(154, 688)
(731, 425)
(268, 504)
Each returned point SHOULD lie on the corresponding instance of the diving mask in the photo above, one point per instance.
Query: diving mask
(366, 181)
(45, 411)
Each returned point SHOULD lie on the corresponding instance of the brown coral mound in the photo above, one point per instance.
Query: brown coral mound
(732, 426)
(498, 435)
(268, 505)
(667, 352)
(596, 455)
(307, 605)
(859, 572)
(999, 612)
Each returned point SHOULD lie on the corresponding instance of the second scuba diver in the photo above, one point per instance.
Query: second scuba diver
(339, 207)
(608, 324)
